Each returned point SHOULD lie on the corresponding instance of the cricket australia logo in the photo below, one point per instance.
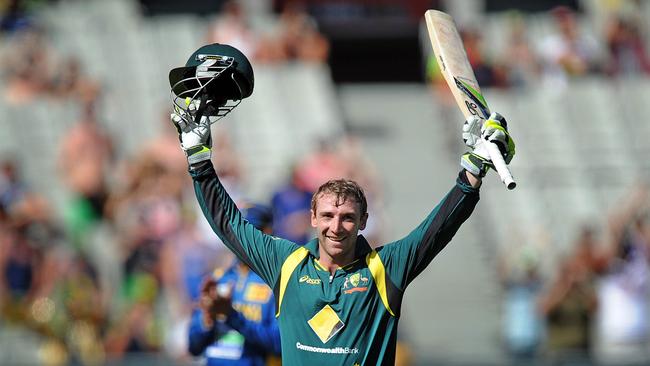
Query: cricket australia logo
(355, 283)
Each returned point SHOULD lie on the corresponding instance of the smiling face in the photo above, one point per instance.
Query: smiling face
(337, 219)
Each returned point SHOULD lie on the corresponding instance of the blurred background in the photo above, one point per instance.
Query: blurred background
(102, 245)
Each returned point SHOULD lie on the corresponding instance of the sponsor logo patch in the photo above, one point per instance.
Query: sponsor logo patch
(310, 281)
(335, 350)
(326, 323)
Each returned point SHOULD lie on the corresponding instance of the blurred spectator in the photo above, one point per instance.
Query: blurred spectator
(321, 165)
(487, 74)
(231, 27)
(85, 156)
(144, 213)
(588, 251)
(518, 59)
(70, 307)
(26, 230)
(186, 258)
(137, 329)
(162, 253)
(570, 303)
(162, 151)
(148, 215)
(299, 35)
(234, 322)
(623, 331)
(27, 67)
(523, 323)
(296, 37)
(14, 16)
(628, 55)
(291, 205)
(32, 69)
(69, 81)
(27, 235)
(19, 266)
(22, 206)
(568, 52)
(12, 188)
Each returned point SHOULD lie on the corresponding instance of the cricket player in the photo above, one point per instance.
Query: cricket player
(235, 323)
(338, 300)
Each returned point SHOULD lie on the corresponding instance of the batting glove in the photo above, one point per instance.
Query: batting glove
(194, 136)
(475, 133)
(495, 130)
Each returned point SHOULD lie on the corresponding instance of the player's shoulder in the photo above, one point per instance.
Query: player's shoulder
(386, 251)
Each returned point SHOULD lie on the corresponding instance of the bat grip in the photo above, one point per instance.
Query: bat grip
(500, 165)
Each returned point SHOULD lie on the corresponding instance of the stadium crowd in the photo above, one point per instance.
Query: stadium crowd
(573, 49)
(593, 307)
(118, 272)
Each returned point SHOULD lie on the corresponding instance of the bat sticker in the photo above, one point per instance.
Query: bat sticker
(475, 96)
(471, 107)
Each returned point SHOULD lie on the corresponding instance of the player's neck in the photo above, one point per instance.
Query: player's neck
(331, 264)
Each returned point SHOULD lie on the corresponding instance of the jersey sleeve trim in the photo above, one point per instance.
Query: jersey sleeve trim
(389, 293)
(288, 267)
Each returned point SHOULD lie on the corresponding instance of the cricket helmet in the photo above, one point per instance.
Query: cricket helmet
(212, 83)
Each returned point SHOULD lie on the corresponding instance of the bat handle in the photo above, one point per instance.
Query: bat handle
(500, 166)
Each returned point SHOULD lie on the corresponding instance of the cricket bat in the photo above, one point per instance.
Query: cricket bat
(454, 65)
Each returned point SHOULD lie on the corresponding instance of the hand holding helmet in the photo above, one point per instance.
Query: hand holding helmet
(195, 138)
(212, 83)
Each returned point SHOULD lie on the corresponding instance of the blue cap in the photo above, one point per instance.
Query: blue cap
(259, 215)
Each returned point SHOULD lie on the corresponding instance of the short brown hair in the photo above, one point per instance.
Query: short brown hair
(344, 189)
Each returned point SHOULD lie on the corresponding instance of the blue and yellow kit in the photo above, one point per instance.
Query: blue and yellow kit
(350, 317)
(249, 336)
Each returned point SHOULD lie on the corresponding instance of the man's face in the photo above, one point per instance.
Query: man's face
(337, 224)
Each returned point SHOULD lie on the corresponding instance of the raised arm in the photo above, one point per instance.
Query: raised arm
(213, 81)
(263, 253)
(407, 258)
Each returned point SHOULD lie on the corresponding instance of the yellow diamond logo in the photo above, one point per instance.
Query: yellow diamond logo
(325, 323)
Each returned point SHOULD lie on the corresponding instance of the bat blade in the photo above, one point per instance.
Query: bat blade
(454, 64)
(455, 67)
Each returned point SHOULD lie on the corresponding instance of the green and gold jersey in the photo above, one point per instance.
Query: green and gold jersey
(350, 317)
